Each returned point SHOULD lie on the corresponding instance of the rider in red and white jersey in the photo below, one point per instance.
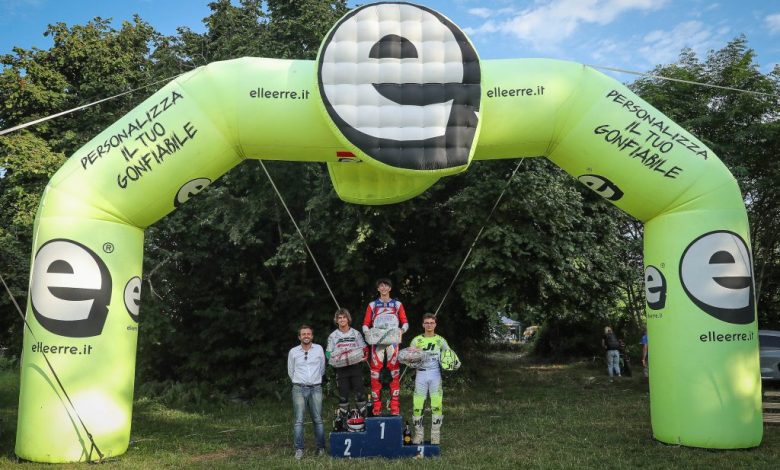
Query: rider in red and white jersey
(388, 313)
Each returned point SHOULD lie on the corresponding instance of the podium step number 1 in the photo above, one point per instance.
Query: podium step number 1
(383, 437)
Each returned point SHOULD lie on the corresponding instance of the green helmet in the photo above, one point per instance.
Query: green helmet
(449, 360)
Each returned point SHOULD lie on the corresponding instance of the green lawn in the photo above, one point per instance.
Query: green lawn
(513, 414)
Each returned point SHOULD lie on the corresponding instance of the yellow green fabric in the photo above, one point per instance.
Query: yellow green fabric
(428, 381)
(88, 240)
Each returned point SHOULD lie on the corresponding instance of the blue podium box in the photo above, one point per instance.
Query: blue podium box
(383, 437)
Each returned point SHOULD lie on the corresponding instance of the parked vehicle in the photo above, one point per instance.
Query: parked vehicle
(769, 351)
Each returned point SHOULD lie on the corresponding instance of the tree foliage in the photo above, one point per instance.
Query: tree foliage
(744, 131)
(85, 63)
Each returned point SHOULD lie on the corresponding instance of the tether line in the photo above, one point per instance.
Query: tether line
(680, 80)
(299, 233)
(492, 210)
(498, 201)
(56, 377)
(83, 106)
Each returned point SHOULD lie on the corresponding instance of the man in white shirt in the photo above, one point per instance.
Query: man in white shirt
(306, 366)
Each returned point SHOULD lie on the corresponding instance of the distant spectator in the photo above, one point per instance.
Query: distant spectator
(611, 344)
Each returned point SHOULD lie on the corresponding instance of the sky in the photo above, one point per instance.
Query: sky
(627, 34)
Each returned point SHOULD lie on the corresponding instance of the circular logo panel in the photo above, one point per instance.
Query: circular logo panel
(717, 274)
(189, 189)
(70, 289)
(133, 297)
(655, 288)
(402, 83)
(602, 186)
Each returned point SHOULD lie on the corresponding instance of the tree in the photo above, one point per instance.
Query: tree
(742, 129)
(296, 28)
(85, 63)
(28, 163)
(230, 272)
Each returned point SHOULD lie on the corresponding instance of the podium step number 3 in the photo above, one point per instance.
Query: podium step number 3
(383, 437)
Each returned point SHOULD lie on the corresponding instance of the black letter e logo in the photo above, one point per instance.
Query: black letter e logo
(717, 274)
(655, 288)
(70, 289)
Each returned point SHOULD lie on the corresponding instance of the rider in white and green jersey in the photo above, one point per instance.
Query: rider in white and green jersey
(428, 380)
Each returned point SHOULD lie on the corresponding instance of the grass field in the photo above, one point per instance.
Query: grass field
(511, 414)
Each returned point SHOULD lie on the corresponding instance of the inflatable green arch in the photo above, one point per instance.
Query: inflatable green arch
(396, 100)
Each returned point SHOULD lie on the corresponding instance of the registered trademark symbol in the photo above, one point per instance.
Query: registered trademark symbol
(108, 247)
(663, 265)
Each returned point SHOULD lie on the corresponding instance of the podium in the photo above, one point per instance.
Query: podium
(383, 437)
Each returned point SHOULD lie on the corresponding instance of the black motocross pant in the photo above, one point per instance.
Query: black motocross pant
(350, 379)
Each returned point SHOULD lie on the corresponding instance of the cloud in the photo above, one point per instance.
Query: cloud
(14, 13)
(550, 22)
(604, 50)
(697, 10)
(13, 5)
(664, 46)
(481, 12)
(773, 23)
(486, 13)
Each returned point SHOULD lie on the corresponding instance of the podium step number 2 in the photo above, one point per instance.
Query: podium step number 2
(383, 437)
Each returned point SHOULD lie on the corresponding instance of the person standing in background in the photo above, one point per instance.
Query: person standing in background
(611, 344)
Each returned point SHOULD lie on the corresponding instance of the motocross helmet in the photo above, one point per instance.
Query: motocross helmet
(411, 356)
(356, 423)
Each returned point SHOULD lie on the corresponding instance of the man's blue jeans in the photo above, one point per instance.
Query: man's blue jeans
(613, 362)
(304, 397)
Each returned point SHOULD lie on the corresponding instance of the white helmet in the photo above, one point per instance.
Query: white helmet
(383, 336)
(346, 358)
(411, 356)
